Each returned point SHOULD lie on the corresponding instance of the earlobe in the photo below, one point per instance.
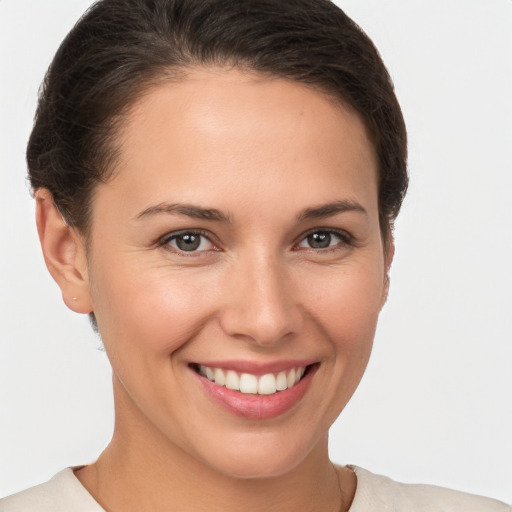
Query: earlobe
(64, 253)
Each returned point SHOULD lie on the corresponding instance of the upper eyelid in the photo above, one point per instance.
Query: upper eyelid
(336, 231)
(342, 233)
(173, 234)
(347, 241)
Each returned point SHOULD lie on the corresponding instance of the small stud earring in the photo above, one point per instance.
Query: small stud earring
(74, 298)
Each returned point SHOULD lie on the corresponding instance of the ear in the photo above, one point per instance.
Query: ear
(64, 253)
(389, 254)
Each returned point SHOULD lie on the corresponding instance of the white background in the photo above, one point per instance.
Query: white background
(435, 404)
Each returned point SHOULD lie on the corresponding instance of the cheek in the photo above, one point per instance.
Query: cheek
(347, 312)
(347, 304)
(153, 310)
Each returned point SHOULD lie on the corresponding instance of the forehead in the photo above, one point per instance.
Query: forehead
(215, 127)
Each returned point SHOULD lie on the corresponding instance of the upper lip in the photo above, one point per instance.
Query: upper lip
(257, 367)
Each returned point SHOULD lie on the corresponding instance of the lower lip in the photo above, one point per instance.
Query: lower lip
(258, 407)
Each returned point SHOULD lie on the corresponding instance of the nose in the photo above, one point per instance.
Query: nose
(261, 305)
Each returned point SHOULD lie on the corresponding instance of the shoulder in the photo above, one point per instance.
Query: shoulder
(62, 493)
(376, 493)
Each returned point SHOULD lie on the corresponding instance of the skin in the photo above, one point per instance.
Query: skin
(261, 151)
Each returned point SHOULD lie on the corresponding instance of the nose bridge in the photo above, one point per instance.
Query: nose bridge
(262, 306)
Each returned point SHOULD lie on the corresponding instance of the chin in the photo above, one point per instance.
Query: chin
(265, 466)
(261, 456)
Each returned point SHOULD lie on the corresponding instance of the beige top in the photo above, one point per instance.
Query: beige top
(375, 493)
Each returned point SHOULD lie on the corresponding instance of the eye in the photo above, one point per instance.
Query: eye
(324, 239)
(188, 241)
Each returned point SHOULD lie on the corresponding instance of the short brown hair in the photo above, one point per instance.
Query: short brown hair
(119, 48)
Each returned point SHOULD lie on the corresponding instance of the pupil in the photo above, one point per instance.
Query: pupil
(319, 240)
(188, 242)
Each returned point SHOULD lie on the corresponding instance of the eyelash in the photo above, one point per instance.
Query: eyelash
(167, 239)
(345, 240)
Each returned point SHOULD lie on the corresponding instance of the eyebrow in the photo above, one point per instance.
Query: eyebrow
(195, 212)
(330, 209)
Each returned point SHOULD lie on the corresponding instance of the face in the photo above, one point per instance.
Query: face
(237, 246)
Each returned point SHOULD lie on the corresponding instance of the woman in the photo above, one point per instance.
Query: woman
(216, 187)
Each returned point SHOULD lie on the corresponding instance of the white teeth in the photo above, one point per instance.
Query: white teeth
(232, 380)
(266, 384)
(248, 383)
(291, 378)
(281, 381)
(219, 377)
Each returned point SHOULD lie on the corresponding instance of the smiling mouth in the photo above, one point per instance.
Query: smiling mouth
(248, 383)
